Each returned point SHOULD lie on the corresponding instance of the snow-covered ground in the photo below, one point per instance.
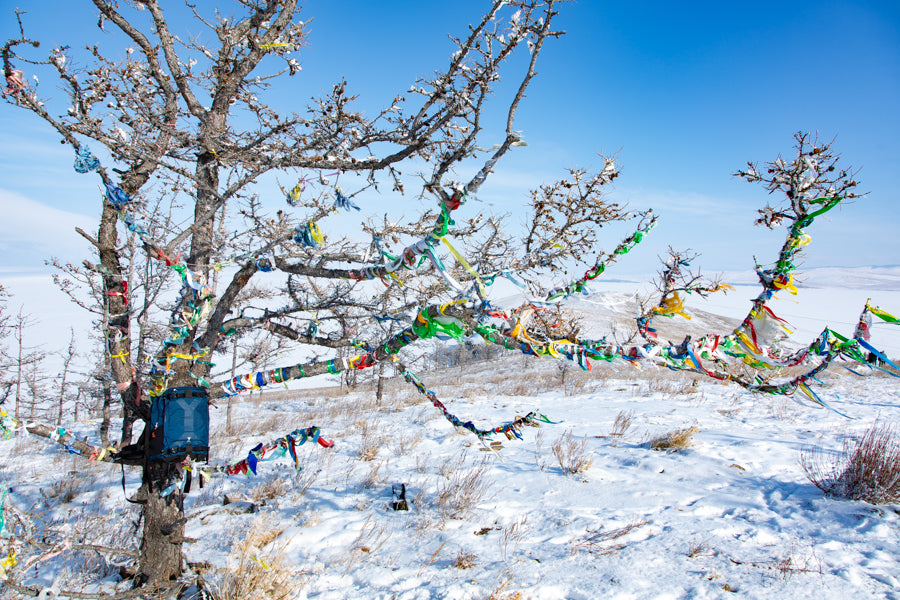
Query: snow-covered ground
(731, 514)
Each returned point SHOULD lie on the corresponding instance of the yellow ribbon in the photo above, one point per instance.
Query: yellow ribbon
(447, 305)
(786, 285)
(800, 241)
(747, 342)
(520, 334)
(316, 233)
(8, 563)
(552, 348)
(173, 356)
(671, 305)
(296, 192)
(807, 391)
(121, 355)
(878, 312)
(465, 264)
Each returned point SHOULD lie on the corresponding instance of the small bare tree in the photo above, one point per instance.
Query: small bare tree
(68, 357)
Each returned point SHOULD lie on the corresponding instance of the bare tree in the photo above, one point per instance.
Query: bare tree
(812, 182)
(5, 331)
(24, 362)
(182, 119)
(68, 356)
(178, 117)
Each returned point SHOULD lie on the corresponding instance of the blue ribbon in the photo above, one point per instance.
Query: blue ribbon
(85, 162)
(342, 201)
(117, 196)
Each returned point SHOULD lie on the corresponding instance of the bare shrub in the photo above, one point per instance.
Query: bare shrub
(462, 488)
(571, 454)
(373, 477)
(791, 563)
(679, 439)
(603, 541)
(64, 490)
(257, 573)
(698, 549)
(371, 538)
(866, 469)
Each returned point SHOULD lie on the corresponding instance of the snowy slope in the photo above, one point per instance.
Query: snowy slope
(733, 513)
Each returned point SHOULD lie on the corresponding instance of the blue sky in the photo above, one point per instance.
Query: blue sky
(686, 93)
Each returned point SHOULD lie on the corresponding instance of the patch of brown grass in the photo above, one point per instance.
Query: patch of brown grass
(673, 441)
(465, 560)
(256, 572)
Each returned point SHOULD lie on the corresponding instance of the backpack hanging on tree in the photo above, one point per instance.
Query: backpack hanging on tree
(179, 425)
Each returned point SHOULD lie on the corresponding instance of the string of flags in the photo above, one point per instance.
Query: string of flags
(262, 452)
(511, 429)
(557, 295)
(750, 343)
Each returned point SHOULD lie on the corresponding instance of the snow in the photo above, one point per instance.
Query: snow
(731, 513)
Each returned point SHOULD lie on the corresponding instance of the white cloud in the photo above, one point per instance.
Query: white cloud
(32, 231)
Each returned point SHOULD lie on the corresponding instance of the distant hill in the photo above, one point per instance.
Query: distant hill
(882, 277)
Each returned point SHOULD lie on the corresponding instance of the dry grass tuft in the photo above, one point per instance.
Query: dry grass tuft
(257, 573)
(498, 588)
(866, 469)
(269, 489)
(571, 454)
(699, 549)
(371, 441)
(465, 560)
(462, 488)
(622, 423)
(371, 538)
(679, 439)
(512, 535)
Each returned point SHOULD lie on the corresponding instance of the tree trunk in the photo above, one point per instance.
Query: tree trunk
(379, 390)
(19, 369)
(234, 348)
(128, 420)
(164, 521)
(107, 403)
(34, 392)
(62, 395)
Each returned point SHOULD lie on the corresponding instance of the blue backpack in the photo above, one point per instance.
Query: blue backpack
(179, 425)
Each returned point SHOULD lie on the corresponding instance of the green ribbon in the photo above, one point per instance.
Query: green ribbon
(432, 326)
